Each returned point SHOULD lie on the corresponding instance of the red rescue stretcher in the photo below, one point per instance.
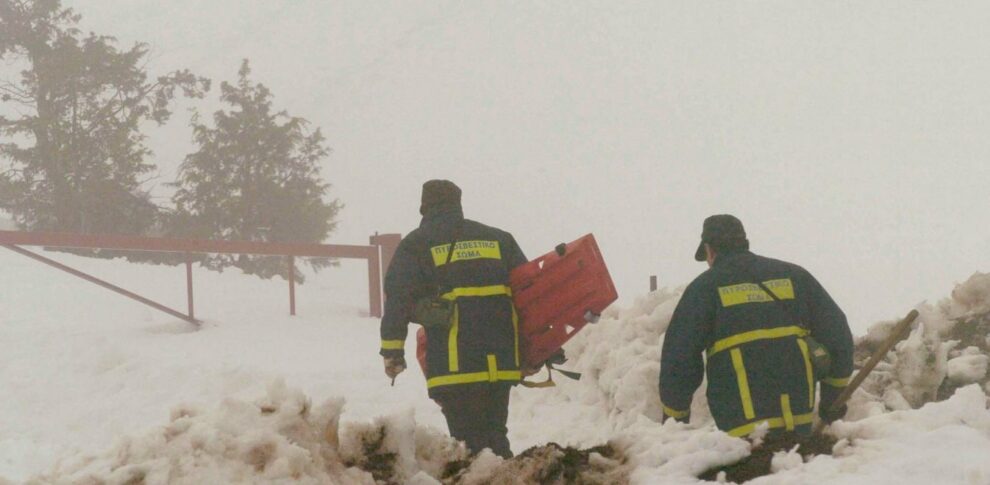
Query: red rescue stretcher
(555, 296)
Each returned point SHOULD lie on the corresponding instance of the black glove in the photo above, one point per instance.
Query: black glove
(557, 358)
(394, 366)
(829, 395)
(830, 416)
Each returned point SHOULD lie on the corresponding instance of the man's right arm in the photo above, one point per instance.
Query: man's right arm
(681, 365)
(401, 279)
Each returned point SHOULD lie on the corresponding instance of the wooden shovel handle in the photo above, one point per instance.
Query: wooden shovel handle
(895, 336)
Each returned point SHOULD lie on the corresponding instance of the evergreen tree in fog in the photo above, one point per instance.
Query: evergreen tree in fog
(72, 157)
(255, 177)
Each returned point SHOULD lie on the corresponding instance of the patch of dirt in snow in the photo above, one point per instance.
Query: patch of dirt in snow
(760, 462)
(553, 464)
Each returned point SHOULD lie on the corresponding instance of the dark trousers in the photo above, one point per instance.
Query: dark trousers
(476, 414)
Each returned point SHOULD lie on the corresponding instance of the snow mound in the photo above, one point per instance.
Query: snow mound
(278, 439)
(282, 438)
(948, 348)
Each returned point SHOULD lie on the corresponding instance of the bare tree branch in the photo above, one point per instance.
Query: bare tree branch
(100, 116)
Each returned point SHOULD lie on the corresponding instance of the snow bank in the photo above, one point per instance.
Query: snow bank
(947, 349)
(282, 438)
(278, 439)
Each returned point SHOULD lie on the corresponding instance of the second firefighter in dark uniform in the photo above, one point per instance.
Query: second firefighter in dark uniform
(758, 356)
(471, 363)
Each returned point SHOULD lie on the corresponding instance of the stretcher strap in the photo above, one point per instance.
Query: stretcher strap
(549, 382)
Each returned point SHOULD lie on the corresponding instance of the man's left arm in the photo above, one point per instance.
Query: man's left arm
(401, 279)
(829, 326)
(682, 367)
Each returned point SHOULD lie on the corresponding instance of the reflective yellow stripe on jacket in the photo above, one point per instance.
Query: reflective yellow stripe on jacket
(754, 335)
(493, 290)
(491, 375)
(732, 343)
(453, 361)
(777, 422)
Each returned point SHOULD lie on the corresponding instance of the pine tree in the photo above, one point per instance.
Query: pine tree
(75, 153)
(254, 177)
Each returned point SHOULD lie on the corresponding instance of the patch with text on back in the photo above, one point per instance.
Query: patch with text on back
(466, 250)
(752, 293)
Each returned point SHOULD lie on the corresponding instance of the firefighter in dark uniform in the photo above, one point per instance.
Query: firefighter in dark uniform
(474, 361)
(759, 350)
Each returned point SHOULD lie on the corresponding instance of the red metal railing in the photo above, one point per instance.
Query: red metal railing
(381, 250)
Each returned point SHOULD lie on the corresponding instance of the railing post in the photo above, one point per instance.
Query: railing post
(189, 286)
(386, 244)
(375, 285)
(292, 285)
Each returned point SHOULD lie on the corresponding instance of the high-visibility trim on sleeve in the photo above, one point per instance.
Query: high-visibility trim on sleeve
(743, 381)
(393, 344)
(808, 370)
(762, 334)
(673, 412)
(836, 381)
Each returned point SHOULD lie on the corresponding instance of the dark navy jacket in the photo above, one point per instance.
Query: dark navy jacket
(758, 364)
(482, 343)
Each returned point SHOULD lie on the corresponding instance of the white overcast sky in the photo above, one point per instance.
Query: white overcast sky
(850, 137)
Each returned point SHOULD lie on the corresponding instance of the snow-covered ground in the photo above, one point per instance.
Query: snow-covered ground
(6, 224)
(100, 388)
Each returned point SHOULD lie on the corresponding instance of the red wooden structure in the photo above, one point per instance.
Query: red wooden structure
(380, 251)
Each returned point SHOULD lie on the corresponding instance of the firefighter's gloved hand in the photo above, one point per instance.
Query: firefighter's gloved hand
(830, 416)
(829, 395)
(557, 358)
(394, 366)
